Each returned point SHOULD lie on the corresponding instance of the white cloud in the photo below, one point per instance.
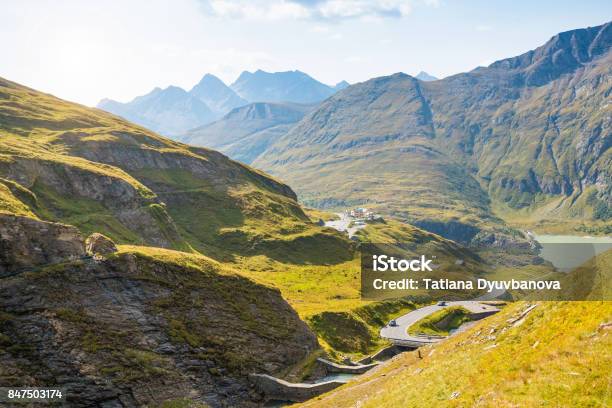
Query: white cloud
(257, 9)
(326, 10)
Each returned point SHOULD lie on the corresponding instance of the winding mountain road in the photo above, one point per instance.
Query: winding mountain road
(398, 335)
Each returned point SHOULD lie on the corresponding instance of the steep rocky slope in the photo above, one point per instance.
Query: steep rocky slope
(27, 242)
(245, 132)
(145, 326)
(527, 138)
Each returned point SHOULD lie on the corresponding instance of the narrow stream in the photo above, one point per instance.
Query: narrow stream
(343, 377)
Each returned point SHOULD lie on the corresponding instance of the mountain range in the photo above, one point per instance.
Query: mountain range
(289, 86)
(173, 111)
(246, 132)
(168, 111)
(526, 139)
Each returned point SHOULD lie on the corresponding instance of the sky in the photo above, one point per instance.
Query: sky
(84, 51)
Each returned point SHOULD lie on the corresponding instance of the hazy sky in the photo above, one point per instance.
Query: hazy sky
(86, 50)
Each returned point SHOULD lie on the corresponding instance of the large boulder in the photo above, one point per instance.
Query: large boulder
(99, 245)
(26, 243)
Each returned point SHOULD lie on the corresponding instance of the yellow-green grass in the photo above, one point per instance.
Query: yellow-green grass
(178, 258)
(9, 203)
(309, 289)
(441, 322)
(355, 332)
(328, 298)
(316, 214)
(556, 215)
(560, 354)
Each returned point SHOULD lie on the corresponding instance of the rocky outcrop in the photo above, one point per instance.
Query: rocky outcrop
(89, 185)
(26, 243)
(98, 244)
(136, 330)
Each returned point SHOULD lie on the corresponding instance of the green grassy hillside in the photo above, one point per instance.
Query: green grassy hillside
(441, 322)
(558, 354)
(63, 162)
(328, 297)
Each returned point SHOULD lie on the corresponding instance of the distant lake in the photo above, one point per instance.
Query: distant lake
(566, 252)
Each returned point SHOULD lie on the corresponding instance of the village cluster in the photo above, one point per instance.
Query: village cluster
(362, 214)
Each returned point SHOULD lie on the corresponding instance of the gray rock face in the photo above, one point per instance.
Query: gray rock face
(98, 244)
(136, 331)
(129, 203)
(27, 243)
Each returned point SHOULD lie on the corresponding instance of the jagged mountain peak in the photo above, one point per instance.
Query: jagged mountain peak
(217, 96)
(285, 86)
(341, 85)
(210, 80)
(424, 76)
(169, 111)
(562, 54)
